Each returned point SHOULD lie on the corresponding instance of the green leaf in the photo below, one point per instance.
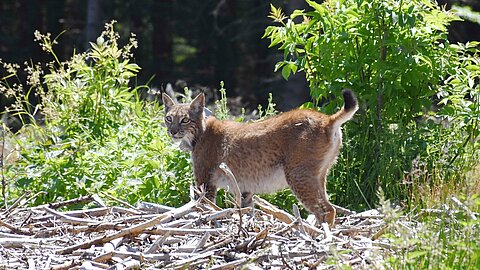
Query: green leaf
(297, 13)
(416, 254)
(276, 14)
(473, 67)
(279, 65)
(286, 71)
(275, 40)
(318, 7)
(270, 31)
(293, 67)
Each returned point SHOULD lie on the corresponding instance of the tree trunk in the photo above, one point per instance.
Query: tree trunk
(94, 21)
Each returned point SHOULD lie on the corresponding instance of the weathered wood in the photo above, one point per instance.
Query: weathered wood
(188, 261)
(137, 229)
(284, 216)
(14, 229)
(19, 242)
(464, 208)
(119, 201)
(196, 235)
(135, 255)
(231, 265)
(153, 207)
(328, 233)
(12, 235)
(343, 211)
(79, 200)
(183, 231)
(31, 264)
(16, 203)
(202, 242)
(153, 247)
(128, 264)
(88, 265)
(232, 183)
(69, 219)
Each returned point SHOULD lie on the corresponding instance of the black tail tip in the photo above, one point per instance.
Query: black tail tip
(350, 100)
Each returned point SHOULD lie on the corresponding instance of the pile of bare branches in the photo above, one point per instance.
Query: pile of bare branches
(196, 235)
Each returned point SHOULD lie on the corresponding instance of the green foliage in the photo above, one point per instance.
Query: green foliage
(97, 136)
(221, 109)
(392, 53)
(269, 110)
(448, 239)
(395, 55)
(460, 94)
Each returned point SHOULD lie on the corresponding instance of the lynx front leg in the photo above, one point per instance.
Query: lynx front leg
(211, 192)
(247, 199)
(204, 182)
(209, 189)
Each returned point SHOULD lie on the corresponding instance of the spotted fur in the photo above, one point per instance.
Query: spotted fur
(294, 149)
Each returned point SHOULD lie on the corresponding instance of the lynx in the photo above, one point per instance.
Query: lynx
(294, 149)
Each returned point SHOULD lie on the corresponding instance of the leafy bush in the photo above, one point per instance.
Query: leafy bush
(97, 135)
(392, 53)
(396, 57)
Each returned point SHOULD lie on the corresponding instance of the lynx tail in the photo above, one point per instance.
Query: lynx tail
(348, 110)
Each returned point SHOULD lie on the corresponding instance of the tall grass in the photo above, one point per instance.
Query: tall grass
(446, 237)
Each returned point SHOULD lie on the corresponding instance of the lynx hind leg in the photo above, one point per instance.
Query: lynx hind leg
(329, 212)
(309, 186)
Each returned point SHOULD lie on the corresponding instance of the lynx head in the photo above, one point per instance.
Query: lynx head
(184, 121)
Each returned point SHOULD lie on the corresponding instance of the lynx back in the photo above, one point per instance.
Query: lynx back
(295, 149)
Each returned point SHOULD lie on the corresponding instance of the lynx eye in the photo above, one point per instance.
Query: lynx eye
(168, 119)
(185, 121)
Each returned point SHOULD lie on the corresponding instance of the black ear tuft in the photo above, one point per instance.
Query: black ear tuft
(168, 102)
(198, 103)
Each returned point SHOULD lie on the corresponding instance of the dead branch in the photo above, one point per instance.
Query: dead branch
(464, 208)
(137, 229)
(284, 216)
(14, 229)
(69, 219)
(79, 200)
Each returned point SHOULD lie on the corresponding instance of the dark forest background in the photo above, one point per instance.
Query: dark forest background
(186, 43)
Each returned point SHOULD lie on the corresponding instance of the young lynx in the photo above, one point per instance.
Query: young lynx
(294, 149)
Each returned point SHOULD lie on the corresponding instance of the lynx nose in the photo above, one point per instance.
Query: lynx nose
(174, 129)
(176, 133)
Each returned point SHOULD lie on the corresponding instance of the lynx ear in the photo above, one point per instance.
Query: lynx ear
(198, 103)
(167, 102)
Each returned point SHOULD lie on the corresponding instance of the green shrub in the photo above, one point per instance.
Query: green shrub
(97, 135)
(395, 55)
